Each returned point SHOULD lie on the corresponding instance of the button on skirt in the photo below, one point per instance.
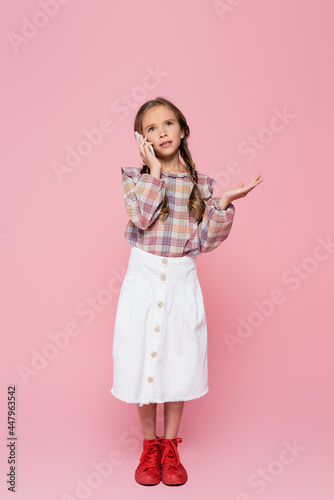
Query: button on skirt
(160, 337)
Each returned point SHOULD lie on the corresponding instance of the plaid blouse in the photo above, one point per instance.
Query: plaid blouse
(180, 234)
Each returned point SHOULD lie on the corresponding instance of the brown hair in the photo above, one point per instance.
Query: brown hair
(196, 205)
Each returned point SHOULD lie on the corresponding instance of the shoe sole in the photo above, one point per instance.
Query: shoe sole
(174, 484)
(148, 484)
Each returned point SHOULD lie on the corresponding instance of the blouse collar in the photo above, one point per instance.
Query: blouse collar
(174, 174)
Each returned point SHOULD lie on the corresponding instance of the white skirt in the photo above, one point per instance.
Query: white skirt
(160, 336)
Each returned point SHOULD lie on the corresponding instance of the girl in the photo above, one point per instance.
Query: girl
(160, 336)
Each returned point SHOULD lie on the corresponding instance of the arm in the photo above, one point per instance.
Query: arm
(215, 225)
(219, 213)
(143, 196)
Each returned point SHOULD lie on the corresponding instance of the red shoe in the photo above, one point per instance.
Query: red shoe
(173, 472)
(148, 471)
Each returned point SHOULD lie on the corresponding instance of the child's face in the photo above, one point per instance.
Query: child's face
(160, 125)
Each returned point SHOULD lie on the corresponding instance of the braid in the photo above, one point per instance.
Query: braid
(196, 204)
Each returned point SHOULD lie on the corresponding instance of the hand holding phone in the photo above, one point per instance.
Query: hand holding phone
(138, 139)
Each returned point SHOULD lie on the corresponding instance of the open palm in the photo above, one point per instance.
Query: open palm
(240, 191)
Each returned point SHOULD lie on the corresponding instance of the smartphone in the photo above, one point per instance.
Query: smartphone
(150, 147)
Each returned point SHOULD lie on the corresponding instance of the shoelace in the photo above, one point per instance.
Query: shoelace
(150, 454)
(170, 454)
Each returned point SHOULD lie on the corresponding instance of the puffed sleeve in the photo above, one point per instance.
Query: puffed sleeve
(143, 195)
(216, 223)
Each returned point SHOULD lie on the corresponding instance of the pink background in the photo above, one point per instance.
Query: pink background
(231, 70)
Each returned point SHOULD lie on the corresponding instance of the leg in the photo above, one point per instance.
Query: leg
(147, 415)
(172, 415)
